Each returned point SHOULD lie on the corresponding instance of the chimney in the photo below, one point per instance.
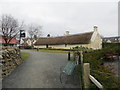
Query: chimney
(95, 28)
(67, 33)
(35, 36)
(48, 35)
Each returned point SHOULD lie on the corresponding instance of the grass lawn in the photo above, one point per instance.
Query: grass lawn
(54, 51)
(50, 51)
(25, 55)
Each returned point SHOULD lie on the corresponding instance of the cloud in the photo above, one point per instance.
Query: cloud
(57, 17)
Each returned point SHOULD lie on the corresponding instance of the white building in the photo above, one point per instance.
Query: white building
(111, 39)
(90, 40)
(29, 41)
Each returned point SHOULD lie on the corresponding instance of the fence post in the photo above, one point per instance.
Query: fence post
(81, 58)
(86, 73)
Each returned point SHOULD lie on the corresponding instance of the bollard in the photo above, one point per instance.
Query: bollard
(68, 56)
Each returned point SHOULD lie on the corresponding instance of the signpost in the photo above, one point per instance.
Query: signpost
(22, 34)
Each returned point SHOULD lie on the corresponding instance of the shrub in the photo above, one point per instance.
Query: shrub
(82, 48)
(95, 59)
(110, 45)
(28, 47)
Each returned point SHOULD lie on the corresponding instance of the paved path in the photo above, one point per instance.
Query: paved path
(41, 70)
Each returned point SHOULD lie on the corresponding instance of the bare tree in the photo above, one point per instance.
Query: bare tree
(34, 31)
(9, 27)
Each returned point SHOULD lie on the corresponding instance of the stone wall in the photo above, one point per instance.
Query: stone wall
(9, 60)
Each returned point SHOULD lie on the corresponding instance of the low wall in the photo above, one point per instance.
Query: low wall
(9, 60)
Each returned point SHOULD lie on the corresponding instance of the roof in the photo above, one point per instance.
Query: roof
(25, 39)
(13, 40)
(70, 39)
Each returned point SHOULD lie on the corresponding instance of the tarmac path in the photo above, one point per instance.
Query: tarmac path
(41, 70)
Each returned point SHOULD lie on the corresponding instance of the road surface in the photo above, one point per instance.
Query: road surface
(41, 70)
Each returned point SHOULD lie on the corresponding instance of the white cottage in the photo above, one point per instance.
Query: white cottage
(90, 40)
(29, 41)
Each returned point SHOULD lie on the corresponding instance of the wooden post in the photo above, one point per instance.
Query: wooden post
(86, 73)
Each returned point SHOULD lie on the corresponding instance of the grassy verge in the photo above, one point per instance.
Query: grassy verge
(54, 51)
(25, 55)
(49, 51)
(30, 49)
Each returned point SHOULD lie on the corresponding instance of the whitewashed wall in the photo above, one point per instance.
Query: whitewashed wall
(95, 43)
(40, 46)
(29, 42)
(62, 46)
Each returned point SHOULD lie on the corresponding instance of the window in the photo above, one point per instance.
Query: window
(47, 46)
(65, 45)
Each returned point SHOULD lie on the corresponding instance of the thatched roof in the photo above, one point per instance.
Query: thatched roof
(70, 39)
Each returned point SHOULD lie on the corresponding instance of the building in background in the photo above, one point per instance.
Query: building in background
(13, 42)
(111, 39)
(28, 41)
(90, 40)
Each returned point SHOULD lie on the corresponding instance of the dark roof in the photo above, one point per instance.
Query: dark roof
(70, 39)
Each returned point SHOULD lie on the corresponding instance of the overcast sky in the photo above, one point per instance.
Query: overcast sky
(58, 17)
